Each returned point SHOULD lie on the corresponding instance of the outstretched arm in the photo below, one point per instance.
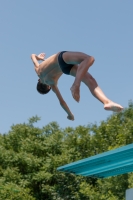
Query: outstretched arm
(62, 102)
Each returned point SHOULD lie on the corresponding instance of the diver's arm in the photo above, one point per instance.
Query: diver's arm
(35, 60)
(62, 102)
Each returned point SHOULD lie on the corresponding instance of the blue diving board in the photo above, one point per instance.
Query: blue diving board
(110, 163)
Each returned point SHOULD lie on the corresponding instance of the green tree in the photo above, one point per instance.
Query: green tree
(29, 157)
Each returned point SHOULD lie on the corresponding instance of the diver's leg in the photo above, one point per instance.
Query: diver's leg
(96, 91)
(84, 61)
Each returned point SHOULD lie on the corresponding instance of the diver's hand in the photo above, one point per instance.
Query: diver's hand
(41, 56)
(70, 117)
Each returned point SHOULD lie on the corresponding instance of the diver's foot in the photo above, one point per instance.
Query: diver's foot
(75, 92)
(113, 107)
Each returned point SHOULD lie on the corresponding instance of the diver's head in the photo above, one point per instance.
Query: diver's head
(42, 88)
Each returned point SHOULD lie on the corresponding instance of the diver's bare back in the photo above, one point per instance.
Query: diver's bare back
(49, 70)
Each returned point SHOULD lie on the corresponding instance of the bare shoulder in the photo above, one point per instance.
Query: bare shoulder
(54, 87)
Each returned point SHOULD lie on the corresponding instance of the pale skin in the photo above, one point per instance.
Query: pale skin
(49, 73)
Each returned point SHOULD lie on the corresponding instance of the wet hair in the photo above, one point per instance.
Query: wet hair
(42, 88)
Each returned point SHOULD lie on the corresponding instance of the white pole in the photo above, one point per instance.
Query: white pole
(129, 194)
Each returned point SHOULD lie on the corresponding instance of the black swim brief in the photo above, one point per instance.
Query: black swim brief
(66, 68)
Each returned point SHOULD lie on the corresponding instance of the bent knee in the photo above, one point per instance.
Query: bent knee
(90, 60)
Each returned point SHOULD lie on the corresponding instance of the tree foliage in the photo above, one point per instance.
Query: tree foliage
(29, 157)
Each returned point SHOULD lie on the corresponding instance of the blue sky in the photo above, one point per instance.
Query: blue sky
(102, 29)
